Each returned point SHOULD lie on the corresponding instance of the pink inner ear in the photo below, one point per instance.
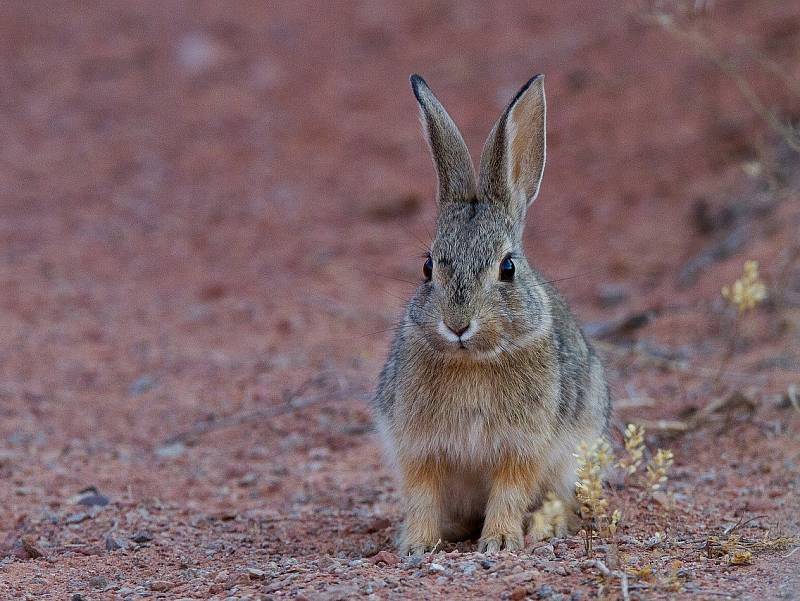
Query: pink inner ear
(527, 143)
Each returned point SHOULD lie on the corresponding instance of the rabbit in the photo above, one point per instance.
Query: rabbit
(490, 384)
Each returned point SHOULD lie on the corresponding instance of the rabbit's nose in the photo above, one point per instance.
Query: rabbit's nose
(458, 331)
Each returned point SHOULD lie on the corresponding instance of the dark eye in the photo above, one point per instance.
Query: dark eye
(427, 269)
(507, 270)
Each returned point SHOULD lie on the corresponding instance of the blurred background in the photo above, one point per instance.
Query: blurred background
(210, 214)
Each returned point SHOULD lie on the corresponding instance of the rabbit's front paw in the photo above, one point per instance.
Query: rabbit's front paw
(501, 541)
(417, 546)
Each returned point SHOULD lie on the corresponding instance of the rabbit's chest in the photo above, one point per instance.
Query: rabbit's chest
(478, 421)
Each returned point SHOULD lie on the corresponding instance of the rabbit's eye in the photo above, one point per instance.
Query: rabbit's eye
(427, 269)
(507, 270)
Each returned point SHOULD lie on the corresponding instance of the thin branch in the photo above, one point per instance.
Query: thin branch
(295, 402)
(705, 46)
(675, 365)
(607, 573)
(741, 524)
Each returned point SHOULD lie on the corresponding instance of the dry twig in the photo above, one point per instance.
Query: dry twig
(295, 401)
(675, 365)
(707, 49)
(733, 401)
(607, 573)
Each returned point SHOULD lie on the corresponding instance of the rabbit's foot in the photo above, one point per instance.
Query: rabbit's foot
(419, 549)
(513, 479)
(417, 546)
(422, 528)
(492, 542)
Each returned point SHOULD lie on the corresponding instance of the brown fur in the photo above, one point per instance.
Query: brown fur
(422, 487)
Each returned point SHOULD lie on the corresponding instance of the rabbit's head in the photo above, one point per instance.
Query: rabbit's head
(480, 297)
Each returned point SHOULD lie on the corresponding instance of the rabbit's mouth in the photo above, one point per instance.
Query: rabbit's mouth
(464, 343)
(478, 341)
(457, 336)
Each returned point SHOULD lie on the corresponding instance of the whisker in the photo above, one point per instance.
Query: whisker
(399, 326)
(395, 328)
(403, 299)
(388, 277)
(427, 230)
(572, 277)
(425, 245)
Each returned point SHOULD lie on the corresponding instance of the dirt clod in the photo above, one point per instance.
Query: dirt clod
(30, 548)
(385, 557)
(161, 585)
(142, 537)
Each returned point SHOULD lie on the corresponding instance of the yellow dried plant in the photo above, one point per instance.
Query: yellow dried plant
(548, 520)
(748, 291)
(589, 488)
(657, 469)
(616, 518)
(740, 557)
(593, 459)
(634, 449)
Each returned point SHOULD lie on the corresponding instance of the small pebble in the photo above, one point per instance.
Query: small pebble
(378, 524)
(222, 576)
(369, 549)
(545, 592)
(437, 567)
(545, 552)
(519, 593)
(90, 497)
(141, 385)
(76, 518)
(386, 557)
(160, 586)
(469, 568)
(113, 544)
(413, 561)
(142, 537)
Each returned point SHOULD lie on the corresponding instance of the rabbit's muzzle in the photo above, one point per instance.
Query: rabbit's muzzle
(459, 334)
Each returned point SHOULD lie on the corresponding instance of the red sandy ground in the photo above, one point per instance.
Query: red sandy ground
(204, 205)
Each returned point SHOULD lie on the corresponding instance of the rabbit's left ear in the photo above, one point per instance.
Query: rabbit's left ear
(512, 161)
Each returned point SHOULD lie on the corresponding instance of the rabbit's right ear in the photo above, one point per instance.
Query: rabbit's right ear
(450, 155)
